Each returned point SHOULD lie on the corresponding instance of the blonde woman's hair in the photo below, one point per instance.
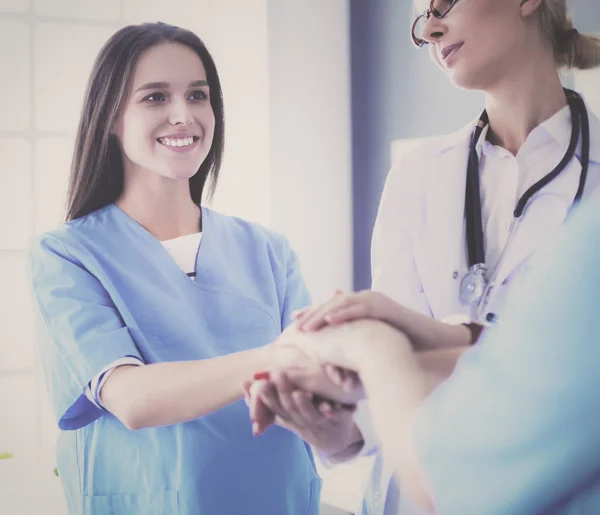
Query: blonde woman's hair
(571, 48)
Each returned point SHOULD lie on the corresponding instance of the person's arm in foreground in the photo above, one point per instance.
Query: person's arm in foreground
(515, 428)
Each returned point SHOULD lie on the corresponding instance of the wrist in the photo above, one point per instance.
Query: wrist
(393, 313)
(474, 332)
(264, 358)
(388, 346)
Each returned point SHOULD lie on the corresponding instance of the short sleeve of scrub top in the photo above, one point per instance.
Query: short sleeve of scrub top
(88, 335)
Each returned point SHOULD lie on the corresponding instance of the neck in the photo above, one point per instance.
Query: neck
(162, 206)
(522, 102)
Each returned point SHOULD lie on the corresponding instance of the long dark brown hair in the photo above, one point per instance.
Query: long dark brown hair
(97, 176)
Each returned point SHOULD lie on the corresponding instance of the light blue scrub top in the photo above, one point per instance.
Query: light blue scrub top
(516, 428)
(106, 288)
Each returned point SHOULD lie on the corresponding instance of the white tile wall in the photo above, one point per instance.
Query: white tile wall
(193, 15)
(83, 9)
(17, 435)
(16, 84)
(50, 492)
(241, 50)
(15, 192)
(52, 166)
(13, 6)
(17, 350)
(64, 55)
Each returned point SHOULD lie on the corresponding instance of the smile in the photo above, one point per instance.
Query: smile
(449, 52)
(178, 142)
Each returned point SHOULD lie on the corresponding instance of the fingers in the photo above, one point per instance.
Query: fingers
(334, 374)
(344, 378)
(329, 407)
(299, 313)
(246, 385)
(316, 319)
(351, 381)
(334, 412)
(346, 313)
(306, 409)
(269, 396)
(299, 406)
(303, 315)
(285, 390)
(260, 413)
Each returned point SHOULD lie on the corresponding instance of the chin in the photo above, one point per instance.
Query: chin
(469, 81)
(181, 175)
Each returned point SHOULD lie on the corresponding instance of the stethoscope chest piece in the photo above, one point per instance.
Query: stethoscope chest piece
(473, 284)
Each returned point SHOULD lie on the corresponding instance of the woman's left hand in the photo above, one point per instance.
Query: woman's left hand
(326, 425)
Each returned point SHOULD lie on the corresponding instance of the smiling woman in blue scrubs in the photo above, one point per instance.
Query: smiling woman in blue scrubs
(152, 310)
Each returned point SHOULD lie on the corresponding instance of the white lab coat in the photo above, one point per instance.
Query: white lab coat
(419, 251)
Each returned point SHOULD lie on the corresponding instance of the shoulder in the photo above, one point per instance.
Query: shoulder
(412, 157)
(238, 231)
(68, 236)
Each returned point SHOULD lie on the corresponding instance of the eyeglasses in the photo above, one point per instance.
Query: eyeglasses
(438, 9)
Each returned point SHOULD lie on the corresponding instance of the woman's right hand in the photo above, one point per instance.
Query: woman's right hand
(347, 307)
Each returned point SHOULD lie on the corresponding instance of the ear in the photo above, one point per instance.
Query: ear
(528, 7)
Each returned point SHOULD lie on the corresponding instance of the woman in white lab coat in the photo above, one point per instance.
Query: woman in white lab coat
(461, 214)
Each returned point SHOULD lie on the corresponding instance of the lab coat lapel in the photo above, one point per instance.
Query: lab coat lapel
(548, 208)
(543, 214)
(441, 256)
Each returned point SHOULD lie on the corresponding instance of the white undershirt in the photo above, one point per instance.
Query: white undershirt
(504, 177)
(183, 250)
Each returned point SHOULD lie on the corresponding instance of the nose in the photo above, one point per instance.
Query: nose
(434, 29)
(180, 113)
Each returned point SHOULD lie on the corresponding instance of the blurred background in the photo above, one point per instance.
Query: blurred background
(317, 93)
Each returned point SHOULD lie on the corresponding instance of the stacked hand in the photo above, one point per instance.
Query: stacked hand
(315, 385)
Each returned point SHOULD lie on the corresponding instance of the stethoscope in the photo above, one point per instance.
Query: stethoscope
(476, 286)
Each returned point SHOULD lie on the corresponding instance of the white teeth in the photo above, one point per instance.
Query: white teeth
(177, 142)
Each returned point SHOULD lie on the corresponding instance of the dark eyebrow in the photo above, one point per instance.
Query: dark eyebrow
(166, 85)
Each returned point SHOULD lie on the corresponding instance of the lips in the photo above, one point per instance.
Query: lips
(450, 49)
(178, 141)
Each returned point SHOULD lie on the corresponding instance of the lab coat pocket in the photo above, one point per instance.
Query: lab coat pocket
(152, 503)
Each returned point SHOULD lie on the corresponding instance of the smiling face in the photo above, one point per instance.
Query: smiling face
(167, 123)
(478, 41)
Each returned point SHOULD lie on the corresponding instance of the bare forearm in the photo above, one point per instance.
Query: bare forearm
(169, 393)
(396, 385)
(438, 364)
